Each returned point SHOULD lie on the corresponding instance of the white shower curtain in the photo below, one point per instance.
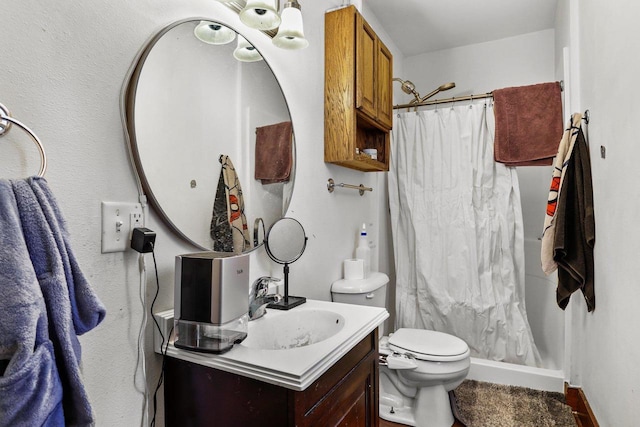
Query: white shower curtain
(458, 233)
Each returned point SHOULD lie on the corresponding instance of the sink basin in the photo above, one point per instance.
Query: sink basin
(277, 350)
(292, 329)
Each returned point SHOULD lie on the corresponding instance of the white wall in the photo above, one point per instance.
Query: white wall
(481, 68)
(62, 67)
(605, 349)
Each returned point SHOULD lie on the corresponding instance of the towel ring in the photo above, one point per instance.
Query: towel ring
(4, 124)
(5, 117)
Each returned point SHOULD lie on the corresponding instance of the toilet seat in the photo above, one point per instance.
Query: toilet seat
(428, 345)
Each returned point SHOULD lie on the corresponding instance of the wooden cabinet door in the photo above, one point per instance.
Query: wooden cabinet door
(384, 88)
(352, 403)
(366, 68)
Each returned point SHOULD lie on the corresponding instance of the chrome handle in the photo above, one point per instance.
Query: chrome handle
(261, 286)
(371, 295)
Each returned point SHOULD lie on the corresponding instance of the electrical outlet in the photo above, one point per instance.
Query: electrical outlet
(118, 221)
(136, 220)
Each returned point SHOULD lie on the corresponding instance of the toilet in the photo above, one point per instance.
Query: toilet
(418, 367)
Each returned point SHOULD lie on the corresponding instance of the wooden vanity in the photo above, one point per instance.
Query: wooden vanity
(345, 395)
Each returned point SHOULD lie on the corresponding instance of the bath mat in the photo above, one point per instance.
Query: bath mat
(481, 404)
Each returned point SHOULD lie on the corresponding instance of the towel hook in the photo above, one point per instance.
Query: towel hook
(5, 117)
(586, 116)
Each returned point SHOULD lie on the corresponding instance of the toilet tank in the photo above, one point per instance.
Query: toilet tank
(371, 291)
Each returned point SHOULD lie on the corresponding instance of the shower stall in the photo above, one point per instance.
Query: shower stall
(546, 320)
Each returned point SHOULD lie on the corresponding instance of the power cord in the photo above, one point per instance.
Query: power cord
(162, 342)
(143, 241)
(141, 356)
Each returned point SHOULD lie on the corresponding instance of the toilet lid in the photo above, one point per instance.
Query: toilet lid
(428, 345)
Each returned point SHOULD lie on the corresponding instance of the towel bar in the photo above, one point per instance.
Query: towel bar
(331, 186)
(6, 121)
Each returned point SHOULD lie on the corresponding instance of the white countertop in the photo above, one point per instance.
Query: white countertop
(294, 368)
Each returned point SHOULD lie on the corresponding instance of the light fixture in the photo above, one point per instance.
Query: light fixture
(245, 52)
(214, 33)
(263, 15)
(291, 33)
(260, 14)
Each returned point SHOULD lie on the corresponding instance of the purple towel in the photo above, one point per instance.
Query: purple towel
(87, 310)
(30, 388)
(71, 305)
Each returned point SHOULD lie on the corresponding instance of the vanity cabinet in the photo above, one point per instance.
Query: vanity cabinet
(345, 395)
(358, 92)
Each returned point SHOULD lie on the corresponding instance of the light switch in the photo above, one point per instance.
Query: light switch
(118, 220)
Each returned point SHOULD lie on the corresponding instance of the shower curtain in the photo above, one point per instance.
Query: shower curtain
(458, 233)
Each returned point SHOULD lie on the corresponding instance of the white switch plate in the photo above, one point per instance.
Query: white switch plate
(118, 221)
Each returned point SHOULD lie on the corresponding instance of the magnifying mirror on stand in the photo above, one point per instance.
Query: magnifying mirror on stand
(285, 242)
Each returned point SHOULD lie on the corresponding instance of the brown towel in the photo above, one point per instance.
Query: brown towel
(273, 152)
(575, 229)
(528, 124)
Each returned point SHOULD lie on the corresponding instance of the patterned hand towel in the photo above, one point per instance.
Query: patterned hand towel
(528, 124)
(229, 229)
(565, 149)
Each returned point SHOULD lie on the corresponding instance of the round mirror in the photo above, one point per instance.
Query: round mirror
(192, 100)
(285, 243)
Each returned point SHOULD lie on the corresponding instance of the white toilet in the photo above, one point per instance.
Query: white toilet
(421, 366)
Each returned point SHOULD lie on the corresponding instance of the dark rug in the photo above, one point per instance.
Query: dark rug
(480, 404)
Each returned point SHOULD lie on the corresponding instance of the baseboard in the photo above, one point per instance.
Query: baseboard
(580, 406)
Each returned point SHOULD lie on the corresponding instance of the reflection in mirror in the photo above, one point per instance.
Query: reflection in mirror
(245, 52)
(190, 101)
(285, 243)
(214, 33)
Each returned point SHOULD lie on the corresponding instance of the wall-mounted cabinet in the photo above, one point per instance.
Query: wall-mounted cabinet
(358, 92)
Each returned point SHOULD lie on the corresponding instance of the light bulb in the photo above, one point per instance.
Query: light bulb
(214, 33)
(245, 51)
(260, 14)
(291, 33)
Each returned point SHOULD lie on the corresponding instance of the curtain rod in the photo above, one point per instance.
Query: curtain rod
(455, 99)
(444, 101)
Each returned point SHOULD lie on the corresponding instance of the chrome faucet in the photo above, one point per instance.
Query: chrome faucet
(258, 298)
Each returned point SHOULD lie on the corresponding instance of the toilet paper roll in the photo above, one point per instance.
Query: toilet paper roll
(353, 269)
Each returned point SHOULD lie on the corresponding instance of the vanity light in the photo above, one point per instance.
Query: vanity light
(245, 52)
(214, 33)
(263, 15)
(291, 33)
(260, 14)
